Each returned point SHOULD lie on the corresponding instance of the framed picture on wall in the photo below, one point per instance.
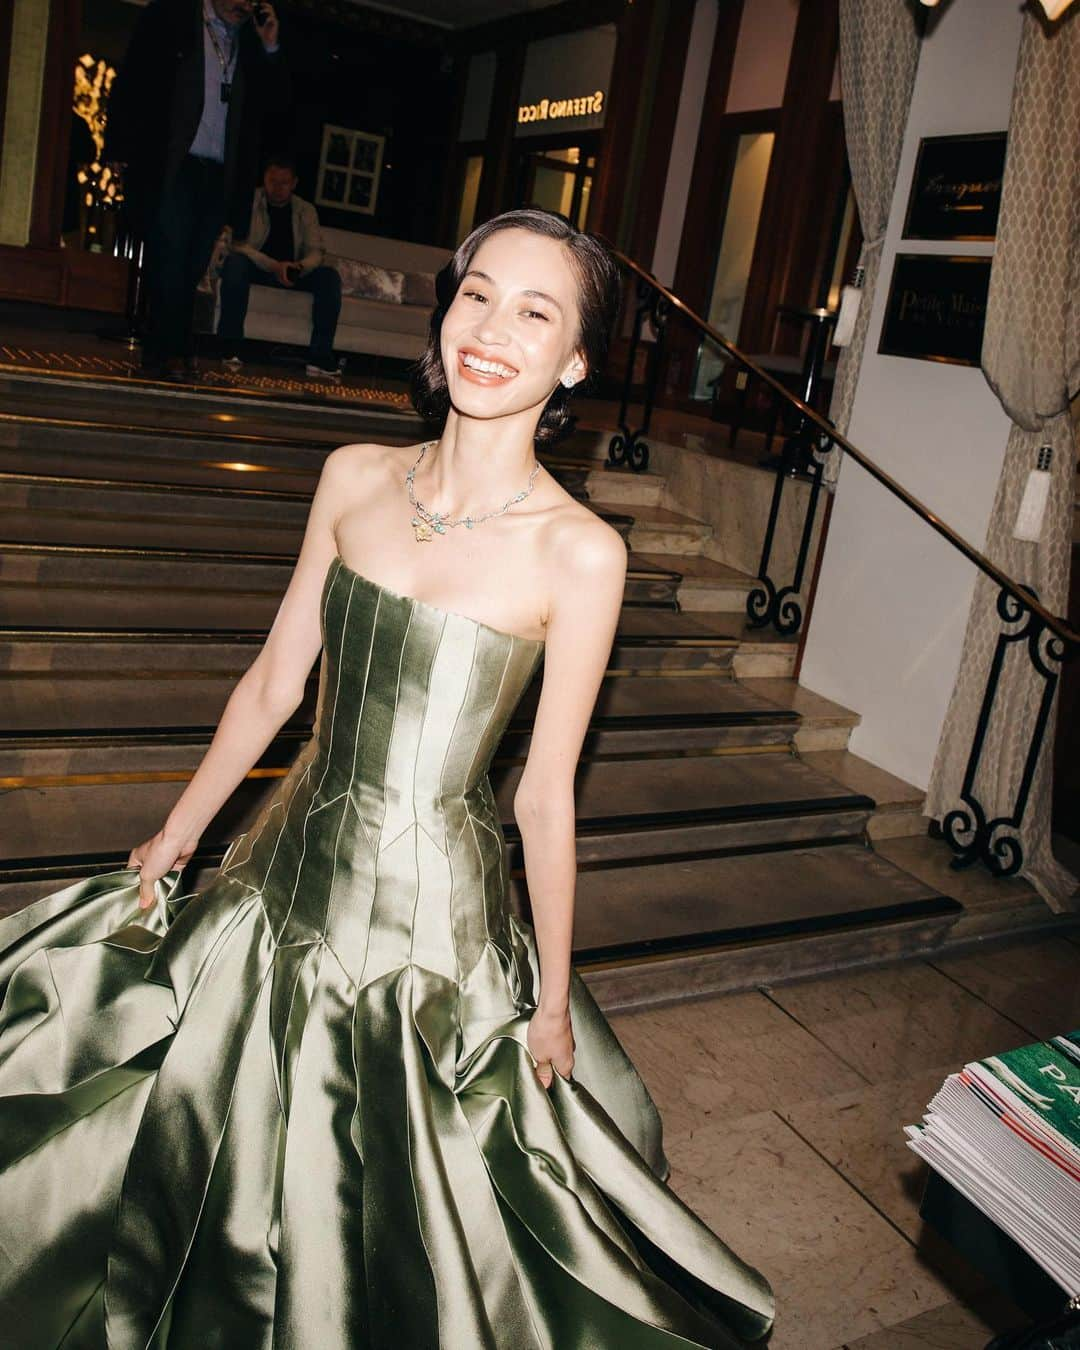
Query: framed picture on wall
(350, 165)
(936, 308)
(956, 188)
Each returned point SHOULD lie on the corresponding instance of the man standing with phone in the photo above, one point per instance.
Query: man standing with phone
(284, 247)
(185, 124)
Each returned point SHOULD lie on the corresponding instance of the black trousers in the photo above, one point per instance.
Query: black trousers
(187, 219)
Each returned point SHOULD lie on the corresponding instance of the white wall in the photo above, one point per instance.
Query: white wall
(762, 55)
(893, 597)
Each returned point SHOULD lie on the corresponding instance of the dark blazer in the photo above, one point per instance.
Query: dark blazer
(156, 102)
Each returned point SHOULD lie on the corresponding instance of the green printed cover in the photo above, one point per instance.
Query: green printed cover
(1046, 1078)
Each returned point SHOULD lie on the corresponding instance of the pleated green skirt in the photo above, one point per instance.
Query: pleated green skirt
(297, 1110)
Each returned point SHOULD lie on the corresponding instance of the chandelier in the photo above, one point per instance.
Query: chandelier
(1054, 8)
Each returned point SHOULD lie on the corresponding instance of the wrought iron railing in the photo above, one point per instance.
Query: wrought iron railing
(808, 440)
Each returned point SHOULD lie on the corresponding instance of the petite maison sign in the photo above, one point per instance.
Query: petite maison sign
(936, 308)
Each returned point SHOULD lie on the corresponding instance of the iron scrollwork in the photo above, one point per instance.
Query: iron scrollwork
(805, 452)
(970, 834)
(628, 445)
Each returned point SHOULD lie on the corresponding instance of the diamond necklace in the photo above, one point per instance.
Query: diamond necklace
(427, 523)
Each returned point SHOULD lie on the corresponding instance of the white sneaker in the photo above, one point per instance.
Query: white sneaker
(317, 372)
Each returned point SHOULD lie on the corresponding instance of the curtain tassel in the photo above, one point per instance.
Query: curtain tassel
(1030, 516)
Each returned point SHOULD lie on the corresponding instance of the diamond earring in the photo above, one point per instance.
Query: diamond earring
(569, 381)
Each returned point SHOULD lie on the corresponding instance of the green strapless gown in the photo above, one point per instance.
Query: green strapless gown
(297, 1109)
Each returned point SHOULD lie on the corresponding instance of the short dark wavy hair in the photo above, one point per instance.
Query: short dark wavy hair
(598, 302)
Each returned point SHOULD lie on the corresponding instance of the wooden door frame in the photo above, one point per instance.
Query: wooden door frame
(41, 270)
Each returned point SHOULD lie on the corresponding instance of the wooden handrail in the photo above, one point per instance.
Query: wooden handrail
(1056, 625)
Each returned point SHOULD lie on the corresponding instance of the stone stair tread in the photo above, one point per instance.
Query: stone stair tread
(610, 472)
(789, 694)
(662, 565)
(859, 775)
(635, 702)
(976, 888)
(214, 470)
(697, 568)
(722, 627)
(737, 785)
(29, 649)
(648, 515)
(645, 807)
(658, 697)
(681, 903)
(734, 624)
(313, 415)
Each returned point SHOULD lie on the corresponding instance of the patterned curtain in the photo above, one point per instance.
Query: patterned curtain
(879, 54)
(1031, 357)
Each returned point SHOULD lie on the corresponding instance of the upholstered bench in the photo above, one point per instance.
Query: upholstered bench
(387, 297)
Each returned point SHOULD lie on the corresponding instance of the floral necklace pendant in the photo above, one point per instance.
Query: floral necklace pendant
(427, 524)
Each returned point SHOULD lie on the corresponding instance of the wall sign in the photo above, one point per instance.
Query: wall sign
(936, 308)
(564, 83)
(557, 109)
(956, 188)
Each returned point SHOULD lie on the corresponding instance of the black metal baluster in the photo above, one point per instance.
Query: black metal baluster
(804, 454)
(970, 835)
(628, 445)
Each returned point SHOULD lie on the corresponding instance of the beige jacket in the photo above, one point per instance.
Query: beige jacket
(308, 246)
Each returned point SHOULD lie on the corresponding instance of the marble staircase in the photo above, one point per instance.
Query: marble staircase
(726, 833)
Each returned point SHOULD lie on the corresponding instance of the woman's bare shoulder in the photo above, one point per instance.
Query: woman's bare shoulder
(579, 547)
(360, 470)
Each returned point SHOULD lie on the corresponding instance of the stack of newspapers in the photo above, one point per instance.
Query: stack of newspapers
(1005, 1132)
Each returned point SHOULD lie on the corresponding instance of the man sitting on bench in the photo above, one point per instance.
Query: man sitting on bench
(284, 247)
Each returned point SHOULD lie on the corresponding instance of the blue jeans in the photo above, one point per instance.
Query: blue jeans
(239, 274)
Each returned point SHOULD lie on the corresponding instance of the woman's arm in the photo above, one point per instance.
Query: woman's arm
(581, 626)
(265, 697)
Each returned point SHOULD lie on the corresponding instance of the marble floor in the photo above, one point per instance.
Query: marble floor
(783, 1112)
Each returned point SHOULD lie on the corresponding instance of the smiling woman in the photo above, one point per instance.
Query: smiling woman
(585, 312)
(346, 1095)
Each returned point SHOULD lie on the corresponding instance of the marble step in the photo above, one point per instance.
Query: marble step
(55, 509)
(705, 584)
(810, 912)
(215, 451)
(823, 724)
(660, 691)
(625, 487)
(148, 455)
(628, 913)
(63, 586)
(811, 937)
(628, 808)
(658, 530)
(50, 509)
(310, 416)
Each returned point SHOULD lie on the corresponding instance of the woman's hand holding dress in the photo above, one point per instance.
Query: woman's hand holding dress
(156, 856)
(551, 1043)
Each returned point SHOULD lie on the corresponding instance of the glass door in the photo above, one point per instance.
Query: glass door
(558, 177)
(753, 154)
